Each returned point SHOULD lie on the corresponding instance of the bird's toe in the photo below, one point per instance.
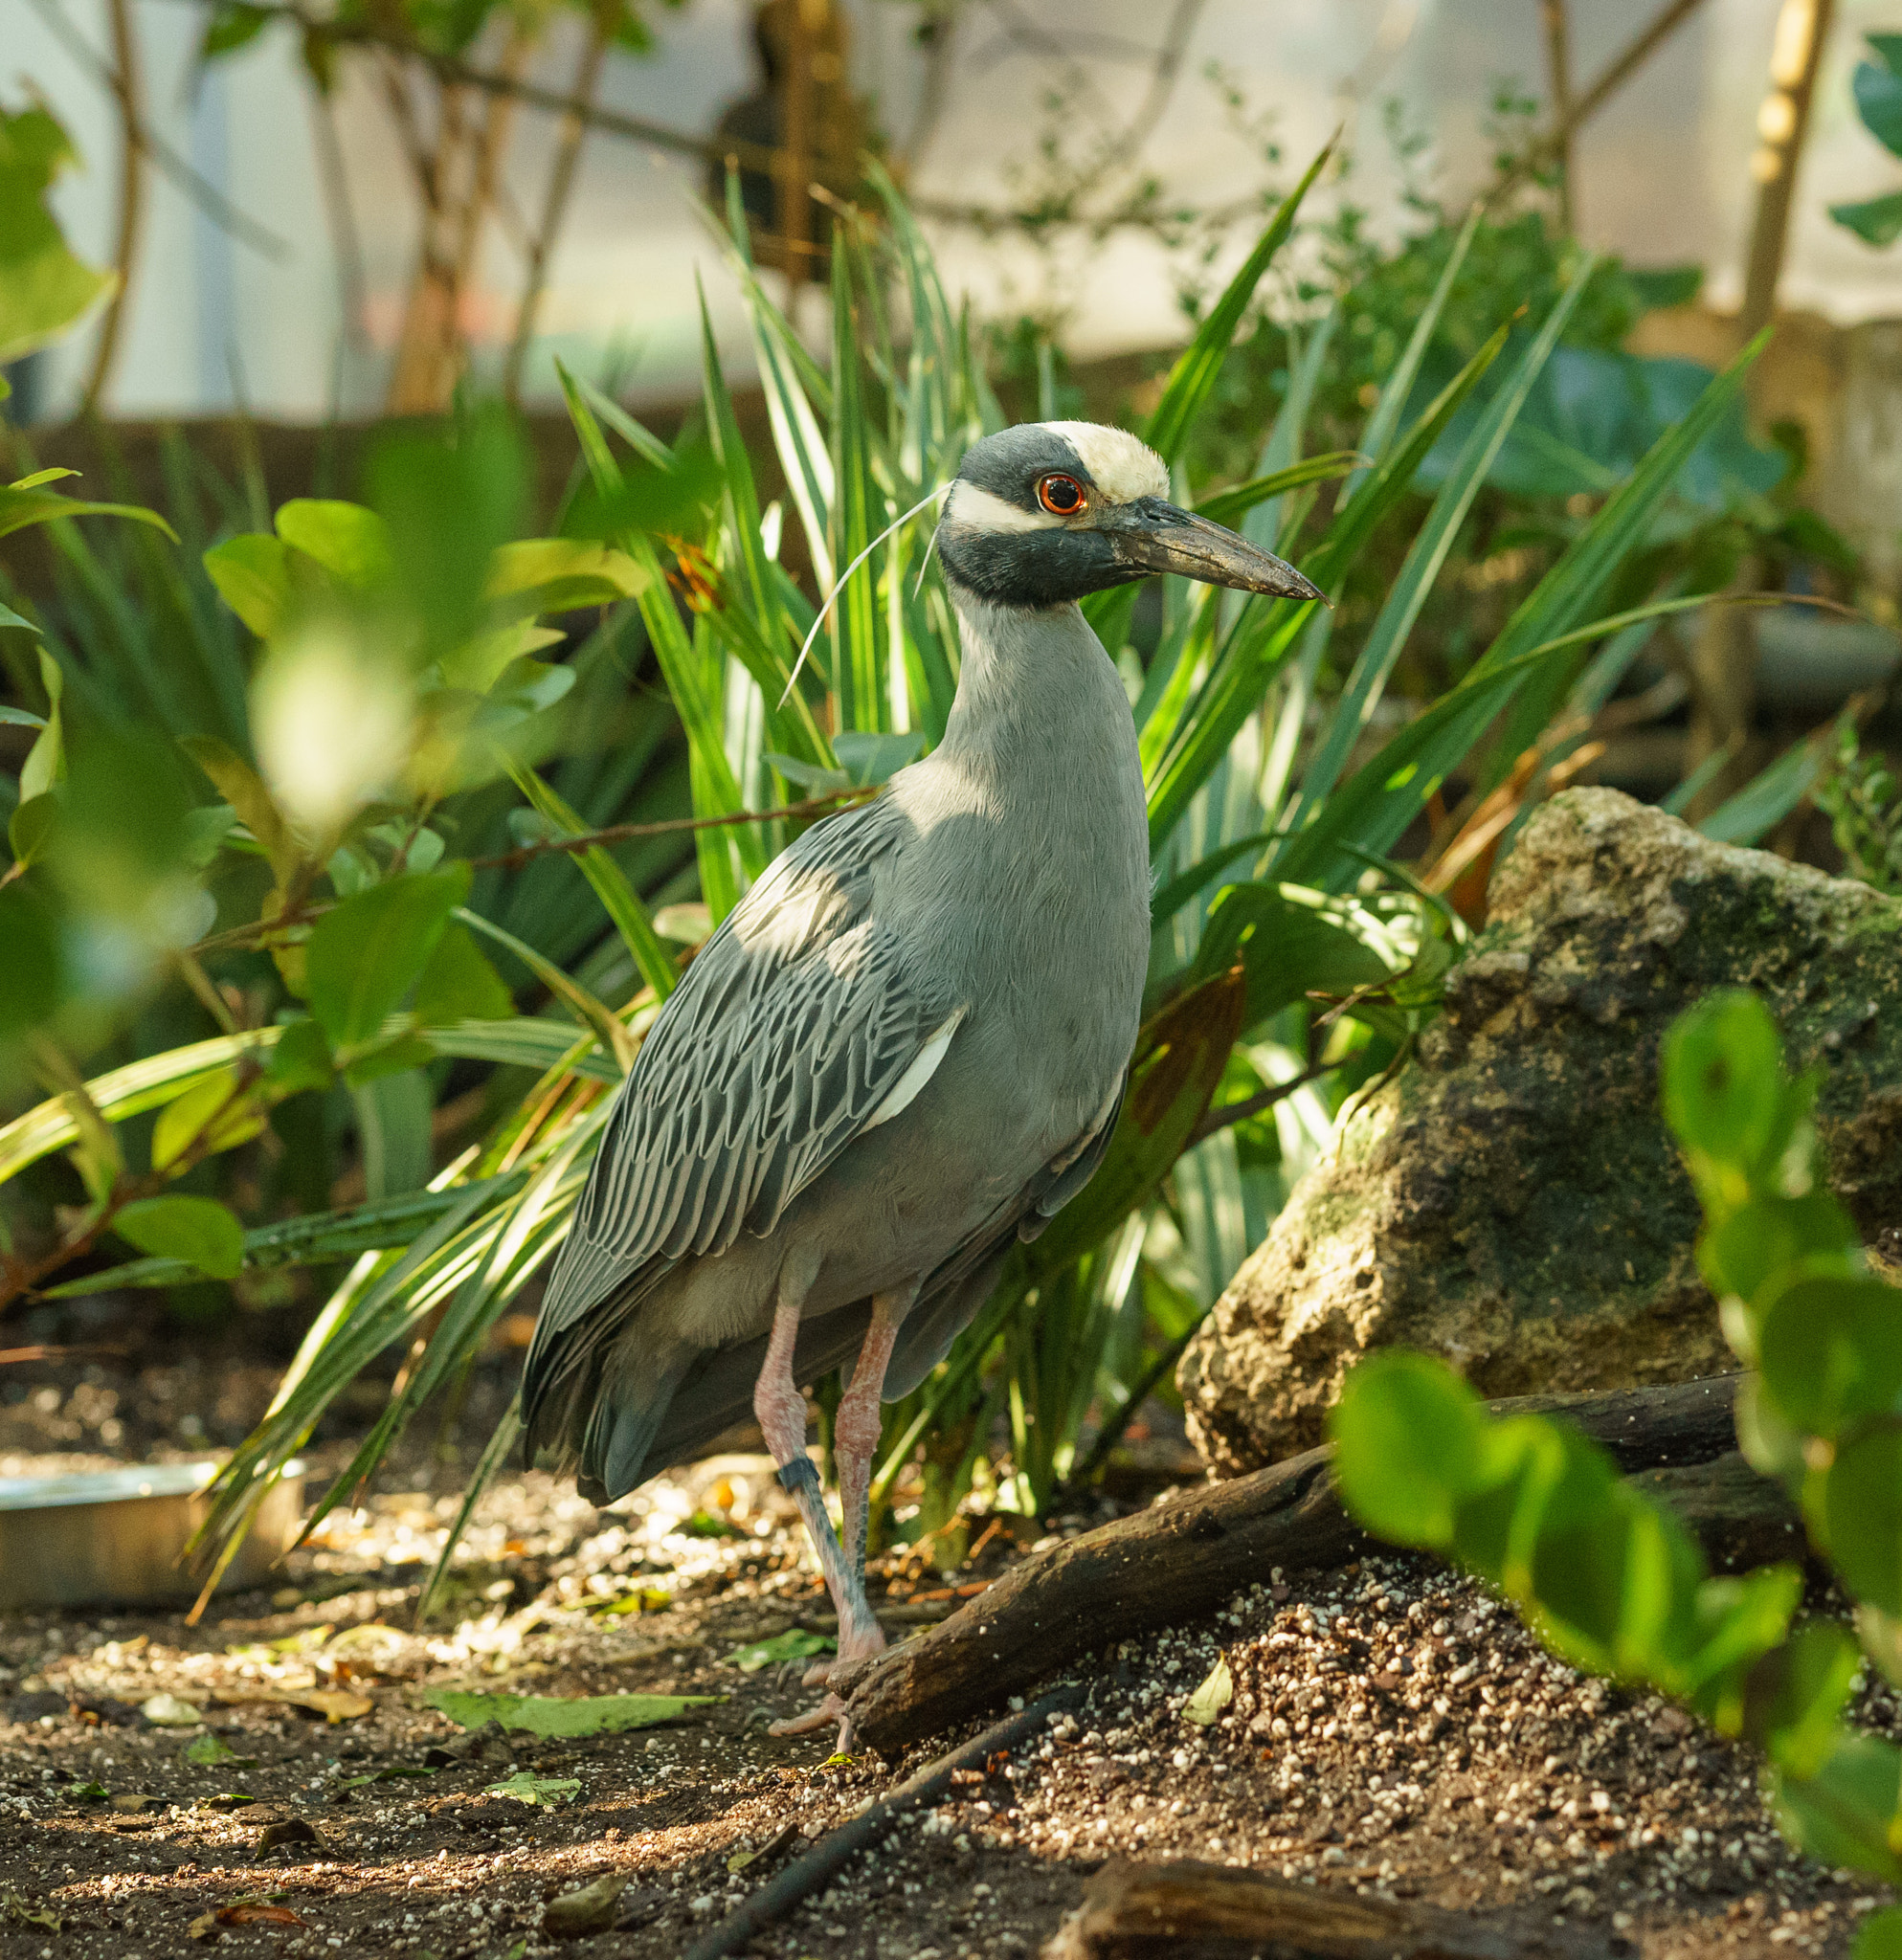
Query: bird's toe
(831, 1709)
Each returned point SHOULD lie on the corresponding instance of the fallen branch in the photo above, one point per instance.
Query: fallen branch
(1190, 1910)
(1183, 1558)
(778, 1898)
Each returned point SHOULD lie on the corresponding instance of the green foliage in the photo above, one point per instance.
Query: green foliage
(1609, 1576)
(384, 725)
(1864, 803)
(44, 289)
(1878, 86)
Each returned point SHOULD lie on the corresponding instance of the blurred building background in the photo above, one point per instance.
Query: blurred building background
(982, 104)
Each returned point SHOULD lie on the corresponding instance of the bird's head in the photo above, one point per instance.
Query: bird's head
(1049, 511)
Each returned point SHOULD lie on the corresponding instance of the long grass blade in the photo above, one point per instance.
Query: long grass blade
(1427, 555)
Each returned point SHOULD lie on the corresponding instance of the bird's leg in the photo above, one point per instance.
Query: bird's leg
(780, 1410)
(854, 1438)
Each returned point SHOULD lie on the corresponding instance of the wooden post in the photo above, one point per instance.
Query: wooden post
(1802, 27)
(1723, 659)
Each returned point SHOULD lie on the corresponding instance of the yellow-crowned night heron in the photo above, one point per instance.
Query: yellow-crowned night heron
(905, 1049)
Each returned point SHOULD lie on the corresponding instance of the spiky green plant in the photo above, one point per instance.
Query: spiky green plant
(1288, 946)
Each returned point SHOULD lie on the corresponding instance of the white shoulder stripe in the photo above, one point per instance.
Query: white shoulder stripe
(978, 511)
(905, 1091)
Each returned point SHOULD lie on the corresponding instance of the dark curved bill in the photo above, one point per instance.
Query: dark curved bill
(1150, 535)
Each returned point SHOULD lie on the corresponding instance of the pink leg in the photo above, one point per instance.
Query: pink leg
(854, 1437)
(781, 1412)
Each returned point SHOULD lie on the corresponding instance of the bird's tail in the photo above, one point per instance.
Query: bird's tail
(586, 1409)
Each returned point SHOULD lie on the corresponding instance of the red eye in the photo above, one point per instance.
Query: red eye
(1061, 496)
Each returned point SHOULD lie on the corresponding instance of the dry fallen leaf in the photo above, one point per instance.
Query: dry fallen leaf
(258, 1912)
(167, 1711)
(1205, 1705)
(576, 1915)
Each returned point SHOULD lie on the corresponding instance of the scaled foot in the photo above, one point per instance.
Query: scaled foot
(831, 1709)
(853, 1647)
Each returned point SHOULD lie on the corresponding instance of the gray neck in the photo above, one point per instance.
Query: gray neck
(1036, 693)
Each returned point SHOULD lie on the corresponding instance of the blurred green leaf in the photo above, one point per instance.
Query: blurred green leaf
(33, 968)
(200, 1231)
(365, 955)
(459, 984)
(1830, 1349)
(253, 575)
(1849, 1813)
(451, 501)
(795, 1643)
(213, 1114)
(1795, 1696)
(45, 764)
(352, 544)
(1879, 1937)
(30, 826)
(1725, 1093)
(1407, 1434)
(564, 1715)
(1860, 1512)
(302, 1057)
(1876, 221)
(1878, 89)
(44, 289)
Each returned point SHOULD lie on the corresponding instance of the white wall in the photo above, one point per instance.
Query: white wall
(1663, 172)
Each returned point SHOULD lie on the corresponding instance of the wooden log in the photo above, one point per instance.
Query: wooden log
(1183, 1558)
(1188, 1910)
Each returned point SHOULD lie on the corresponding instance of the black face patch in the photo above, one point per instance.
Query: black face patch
(1031, 567)
(1010, 463)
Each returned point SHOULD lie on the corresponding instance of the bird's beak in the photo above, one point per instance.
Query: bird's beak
(1153, 535)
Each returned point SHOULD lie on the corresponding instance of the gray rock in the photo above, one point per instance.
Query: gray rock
(1510, 1199)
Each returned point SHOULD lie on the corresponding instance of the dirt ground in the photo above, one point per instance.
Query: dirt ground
(1391, 1731)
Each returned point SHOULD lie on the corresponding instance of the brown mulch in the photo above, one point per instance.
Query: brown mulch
(1391, 1731)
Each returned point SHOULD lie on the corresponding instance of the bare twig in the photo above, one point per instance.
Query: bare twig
(816, 1870)
(126, 89)
(1605, 84)
(206, 196)
(554, 202)
(1227, 1115)
(1558, 77)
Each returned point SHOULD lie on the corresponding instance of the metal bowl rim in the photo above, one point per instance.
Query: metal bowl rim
(127, 1483)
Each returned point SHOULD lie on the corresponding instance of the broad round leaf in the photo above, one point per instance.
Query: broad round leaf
(1829, 1347)
(1409, 1439)
(200, 1230)
(1724, 1078)
(1862, 1515)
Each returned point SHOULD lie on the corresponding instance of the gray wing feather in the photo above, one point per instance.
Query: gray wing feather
(794, 1022)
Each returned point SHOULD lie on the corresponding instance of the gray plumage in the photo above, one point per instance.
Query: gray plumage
(905, 1050)
(740, 1138)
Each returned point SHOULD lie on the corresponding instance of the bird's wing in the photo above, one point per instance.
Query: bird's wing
(795, 1028)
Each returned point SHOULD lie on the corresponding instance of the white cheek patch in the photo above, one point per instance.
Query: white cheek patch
(971, 508)
(1123, 466)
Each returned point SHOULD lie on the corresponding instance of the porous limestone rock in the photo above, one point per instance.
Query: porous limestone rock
(1511, 1200)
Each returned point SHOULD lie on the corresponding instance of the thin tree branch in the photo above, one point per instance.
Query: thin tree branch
(1605, 84)
(554, 203)
(1558, 77)
(127, 89)
(206, 196)
(1228, 1114)
(345, 240)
